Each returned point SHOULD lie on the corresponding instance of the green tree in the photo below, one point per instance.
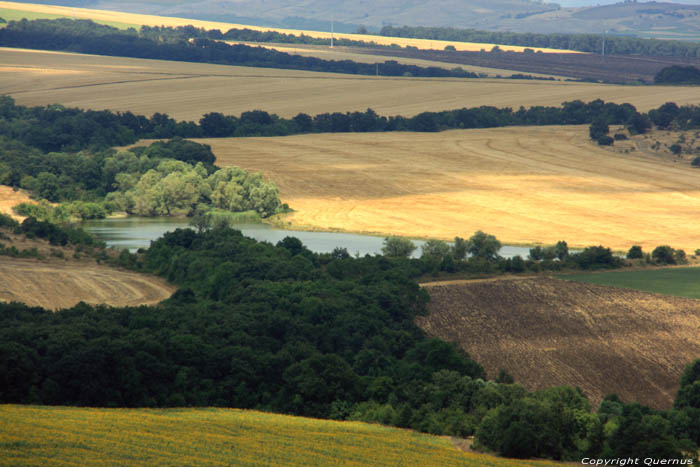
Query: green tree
(484, 246)
(398, 247)
(459, 249)
(663, 254)
(635, 252)
(435, 249)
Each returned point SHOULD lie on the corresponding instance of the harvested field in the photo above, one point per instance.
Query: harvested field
(525, 185)
(61, 284)
(10, 198)
(548, 332)
(189, 90)
(117, 17)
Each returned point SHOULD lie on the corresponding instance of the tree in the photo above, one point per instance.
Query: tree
(398, 247)
(635, 252)
(435, 249)
(599, 127)
(561, 250)
(484, 246)
(638, 124)
(459, 249)
(663, 254)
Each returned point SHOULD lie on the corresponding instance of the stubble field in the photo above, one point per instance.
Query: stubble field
(186, 91)
(62, 284)
(547, 332)
(525, 185)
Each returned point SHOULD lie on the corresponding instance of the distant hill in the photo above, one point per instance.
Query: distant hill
(646, 19)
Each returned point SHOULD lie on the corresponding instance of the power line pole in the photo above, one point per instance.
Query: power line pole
(332, 21)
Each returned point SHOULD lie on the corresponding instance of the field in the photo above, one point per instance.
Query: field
(10, 198)
(53, 285)
(189, 90)
(149, 20)
(525, 185)
(681, 282)
(547, 332)
(80, 436)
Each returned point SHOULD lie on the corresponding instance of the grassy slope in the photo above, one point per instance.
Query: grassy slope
(79, 436)
(10, 14)
(681, 282)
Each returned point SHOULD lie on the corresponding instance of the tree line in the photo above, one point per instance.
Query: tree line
(283, 329)
(85, 36)
(592, 43)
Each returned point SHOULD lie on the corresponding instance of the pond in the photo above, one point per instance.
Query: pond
(138, 232)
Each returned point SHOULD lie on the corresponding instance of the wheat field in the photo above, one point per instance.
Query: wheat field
(116, 17)
(62, 436)
(186, 91)
(526, 185)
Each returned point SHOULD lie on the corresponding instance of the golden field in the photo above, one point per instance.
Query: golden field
(525, 185)
(10, 198)
(61, 436)
(548, 332)
(186, 91)
(59, 283)
(106, 16)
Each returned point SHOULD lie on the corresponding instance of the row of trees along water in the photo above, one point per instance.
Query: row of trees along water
(280, 328)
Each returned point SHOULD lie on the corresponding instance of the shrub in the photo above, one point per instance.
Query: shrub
(663, 254)
(635, 252)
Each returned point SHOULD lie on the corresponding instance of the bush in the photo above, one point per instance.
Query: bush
(635, 252)
(620, 137)
(675, 149)
(605, 140)
(696, 162)
(664, 254)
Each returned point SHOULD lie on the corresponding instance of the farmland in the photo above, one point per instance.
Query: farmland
(61, 284)
(681, 282)
(547, 332)
(525, 185)
(187, 91)
(70, 436)
(108, 17)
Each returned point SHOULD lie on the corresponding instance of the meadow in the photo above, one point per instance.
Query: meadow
(680, 282)
(106, 17)
(547, 332)
(186, 91)
(33, 435)
(525, 185)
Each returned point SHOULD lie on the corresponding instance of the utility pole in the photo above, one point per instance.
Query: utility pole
(603, 53)
(332, 21)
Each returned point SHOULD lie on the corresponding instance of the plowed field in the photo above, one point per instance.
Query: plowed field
(548, 332)
(54, 285)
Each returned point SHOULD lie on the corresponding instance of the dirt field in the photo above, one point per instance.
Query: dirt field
(61, 284)
(548, 332)
(188, 90)
(136, 19)
(10, 198)
(523, 184)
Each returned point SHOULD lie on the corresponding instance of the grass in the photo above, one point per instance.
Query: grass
(680, 282)
(60, 436)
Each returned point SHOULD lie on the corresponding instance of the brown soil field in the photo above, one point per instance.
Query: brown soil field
(526, 185)
(59, 284)
(548, 332)
(187, 91)
(150, 20)
(10, 198)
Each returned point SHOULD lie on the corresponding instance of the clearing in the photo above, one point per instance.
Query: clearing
(526, 185)
(186, 91)
(84, 436)
(547, 332)
(10, 198)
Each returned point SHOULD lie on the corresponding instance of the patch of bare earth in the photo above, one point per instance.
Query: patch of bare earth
(547, 332)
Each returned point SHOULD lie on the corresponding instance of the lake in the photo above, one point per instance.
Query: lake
(138, 232)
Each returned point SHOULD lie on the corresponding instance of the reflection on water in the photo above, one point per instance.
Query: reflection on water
(138, 232)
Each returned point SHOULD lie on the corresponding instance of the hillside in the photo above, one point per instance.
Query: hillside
(646, 19)
(549, 332)
(70, 436)
(189, 90)
(523, 184)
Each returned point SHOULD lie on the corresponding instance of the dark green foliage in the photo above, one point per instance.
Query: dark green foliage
(638, 124)
(663, 254)
(596, 257)
(675, 149)
(398, 247)
(635, 252)
(696, 161)
(678, 74)
(599, 127)
(619, 137)
(605, 140)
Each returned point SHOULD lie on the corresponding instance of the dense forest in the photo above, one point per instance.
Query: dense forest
(593, 43)
(678, 74)
(84, 36)
(280, 328)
